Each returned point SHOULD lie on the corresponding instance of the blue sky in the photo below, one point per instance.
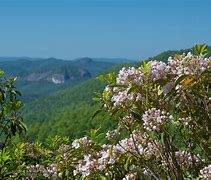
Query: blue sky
(131, 29)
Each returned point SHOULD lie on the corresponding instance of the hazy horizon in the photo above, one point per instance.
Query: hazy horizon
(70, 29)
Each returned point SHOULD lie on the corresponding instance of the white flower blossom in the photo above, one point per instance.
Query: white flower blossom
(77, 143)
(130, 176)
(154, 118)
(157, 70)
(206, 172)
(130, 76)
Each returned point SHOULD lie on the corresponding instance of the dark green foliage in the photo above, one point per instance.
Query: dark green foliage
(10, 120)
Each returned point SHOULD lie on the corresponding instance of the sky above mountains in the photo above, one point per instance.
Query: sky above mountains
(131, 29)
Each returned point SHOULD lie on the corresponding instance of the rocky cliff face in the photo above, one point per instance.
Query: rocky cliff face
(36, 76)
(56, 77)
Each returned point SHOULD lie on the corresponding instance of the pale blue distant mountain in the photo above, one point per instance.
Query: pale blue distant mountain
(101, 59)
(39, 77)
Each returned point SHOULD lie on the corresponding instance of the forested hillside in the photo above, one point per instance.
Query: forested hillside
(66, 112)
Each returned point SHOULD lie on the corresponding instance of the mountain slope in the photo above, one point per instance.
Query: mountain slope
(66, 112)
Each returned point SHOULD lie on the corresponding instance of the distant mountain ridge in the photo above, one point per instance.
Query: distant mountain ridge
(54, 70)
(36, 78)
(101, 59)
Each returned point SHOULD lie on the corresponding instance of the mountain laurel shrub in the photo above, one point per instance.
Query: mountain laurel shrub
(163, 129)
(163, 113)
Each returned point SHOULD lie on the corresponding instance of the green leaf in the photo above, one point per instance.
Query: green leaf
(160, 91)
(12, 80)
(127, 163)
(101, 78)
(132, 89)
(111, 78)
(200, 49)
(18, 104)
(93, 132)
(96, 113)
(23, 126)
(17, 92)
(4, 156)
(196, 49)
(96, 99)
(203, 47)
(101, 177)
(1, 72)
(145, 66)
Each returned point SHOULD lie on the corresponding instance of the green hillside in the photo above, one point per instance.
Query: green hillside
(67, 112)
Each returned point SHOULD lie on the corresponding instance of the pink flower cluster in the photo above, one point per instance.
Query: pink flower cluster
(77, 143)
(98, 161)
(190, 64)
(130, 176)
(184, 157)
(155, 118)
(185, 121)
(206, 172)
(130, 76)
(136, 145)
(112, 134)
(122, 98)
(85, 166)
(157, 70)
(49, 172)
